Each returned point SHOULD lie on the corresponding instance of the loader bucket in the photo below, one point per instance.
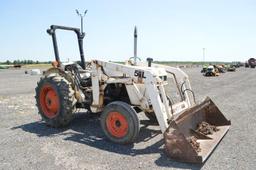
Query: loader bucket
(195, 133)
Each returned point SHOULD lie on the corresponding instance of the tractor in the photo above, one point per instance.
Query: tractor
(231, 68)
(211, 71)
(120, 92)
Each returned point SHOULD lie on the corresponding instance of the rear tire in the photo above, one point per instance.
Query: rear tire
(55, 100)
(120, 122)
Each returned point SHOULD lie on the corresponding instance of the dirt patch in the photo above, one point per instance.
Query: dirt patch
(206, 128)
(194, 143)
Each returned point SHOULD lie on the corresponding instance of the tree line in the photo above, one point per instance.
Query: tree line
(8, 62)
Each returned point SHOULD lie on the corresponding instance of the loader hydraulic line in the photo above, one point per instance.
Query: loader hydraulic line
(183, 91)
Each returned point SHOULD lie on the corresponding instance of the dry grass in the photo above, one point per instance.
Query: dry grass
(42, 66)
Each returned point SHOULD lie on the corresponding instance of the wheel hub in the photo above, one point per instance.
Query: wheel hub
(49, 101)
(117, 124)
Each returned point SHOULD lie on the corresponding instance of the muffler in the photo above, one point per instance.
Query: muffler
(193, 135)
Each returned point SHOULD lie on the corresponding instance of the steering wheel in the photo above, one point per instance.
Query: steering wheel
(134, 58)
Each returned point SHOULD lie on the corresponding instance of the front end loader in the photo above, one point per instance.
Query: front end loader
(122, 91)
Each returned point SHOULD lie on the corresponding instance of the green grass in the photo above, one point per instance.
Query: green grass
(4, 66)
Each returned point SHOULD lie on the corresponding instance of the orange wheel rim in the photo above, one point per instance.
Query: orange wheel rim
(117, 124)
(49, 101)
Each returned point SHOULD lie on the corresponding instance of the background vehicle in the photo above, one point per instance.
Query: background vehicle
(252, 62)
(211, 71)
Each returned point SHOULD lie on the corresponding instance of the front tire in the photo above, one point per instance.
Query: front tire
(120, 122)
(55, 100)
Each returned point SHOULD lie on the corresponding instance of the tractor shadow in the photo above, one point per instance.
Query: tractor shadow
(86, 129)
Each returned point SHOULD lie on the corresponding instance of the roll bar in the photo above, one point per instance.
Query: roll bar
(80, 37)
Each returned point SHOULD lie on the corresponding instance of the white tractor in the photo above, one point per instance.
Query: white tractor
(122, 91)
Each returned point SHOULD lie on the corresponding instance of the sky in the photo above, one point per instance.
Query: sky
(168, 30)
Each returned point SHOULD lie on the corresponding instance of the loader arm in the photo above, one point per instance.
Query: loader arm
(133, 76)
(182, 81)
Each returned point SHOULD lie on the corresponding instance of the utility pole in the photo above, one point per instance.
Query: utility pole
(204, 55)
(82, 19)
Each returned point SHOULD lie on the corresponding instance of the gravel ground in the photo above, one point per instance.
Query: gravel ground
(26, 143)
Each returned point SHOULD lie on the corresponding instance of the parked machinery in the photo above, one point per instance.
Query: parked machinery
(220, 68)
(211, 71)
(231, 68)
(251, 63)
